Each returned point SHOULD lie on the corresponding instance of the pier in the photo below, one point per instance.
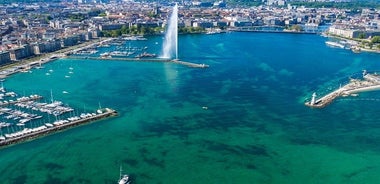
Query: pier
(24, 118)
(33, 133)
(370, 82)
(189, 64)
(176, 61)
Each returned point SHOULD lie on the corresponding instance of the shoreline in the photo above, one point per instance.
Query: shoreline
(28, 63)
(353, 47)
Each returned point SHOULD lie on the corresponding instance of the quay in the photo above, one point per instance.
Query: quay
(30, 134)
(122, 59)
(276, 29)
(370, 82)
(176, 61)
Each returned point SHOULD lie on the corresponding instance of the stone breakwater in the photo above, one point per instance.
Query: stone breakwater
(370, 82)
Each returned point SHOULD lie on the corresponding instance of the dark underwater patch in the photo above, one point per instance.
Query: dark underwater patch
(131, 162)
(19, 179)
(53, 166)
(236, 150)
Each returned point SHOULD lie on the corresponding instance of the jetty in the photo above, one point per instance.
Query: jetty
(189, 64)
(33, 133)
(370, 82)
(176, 61)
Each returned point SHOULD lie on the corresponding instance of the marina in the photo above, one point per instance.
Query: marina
(25, 118)
(370, 82)
(32, 133)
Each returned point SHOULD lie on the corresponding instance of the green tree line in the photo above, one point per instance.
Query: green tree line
(134, 30)
(352, 5)
(141, 30)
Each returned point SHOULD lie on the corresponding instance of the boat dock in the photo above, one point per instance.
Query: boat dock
(25, 118)
(33, 133)
(370, 82)
(188, 64)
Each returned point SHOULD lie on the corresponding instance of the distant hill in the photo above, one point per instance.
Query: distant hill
(25, 1)
(354, 4)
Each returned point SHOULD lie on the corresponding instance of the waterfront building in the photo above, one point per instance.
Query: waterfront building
(106, 27)
(203, 24)
(4, 57)
(69, 41)
(95, 33)
(348, 33)
(47, 46)
(220, 24)
(241, 23)
(21, 52)
(352, 33)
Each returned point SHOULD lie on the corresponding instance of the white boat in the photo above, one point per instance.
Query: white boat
(124, 178)
(22, 121)
(334, 44)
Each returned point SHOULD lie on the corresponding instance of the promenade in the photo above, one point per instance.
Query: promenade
(28, 63)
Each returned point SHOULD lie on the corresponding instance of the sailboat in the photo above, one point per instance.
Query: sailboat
(124, 178)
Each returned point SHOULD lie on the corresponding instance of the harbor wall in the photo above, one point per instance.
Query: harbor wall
(364, 89)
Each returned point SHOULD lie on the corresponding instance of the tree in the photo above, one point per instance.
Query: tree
(102, 14)
(361, 35)
(375, 39)
(124, 29)
(297, 28)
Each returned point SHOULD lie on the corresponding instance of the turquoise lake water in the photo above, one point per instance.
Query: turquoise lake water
(255, 129)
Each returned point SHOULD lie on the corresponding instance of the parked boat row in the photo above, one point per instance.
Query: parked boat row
(29, 133)
(25, 131)
(19, 100)
(90, 51)
(335, 44)
(18, 112)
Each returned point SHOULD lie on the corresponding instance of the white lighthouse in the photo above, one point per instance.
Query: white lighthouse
(312, 102)
(364, 72)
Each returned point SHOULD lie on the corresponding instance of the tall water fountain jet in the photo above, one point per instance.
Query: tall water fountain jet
(170, 47)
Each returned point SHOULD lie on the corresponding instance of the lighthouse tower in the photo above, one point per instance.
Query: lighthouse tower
(364, 72)
(312, 102)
